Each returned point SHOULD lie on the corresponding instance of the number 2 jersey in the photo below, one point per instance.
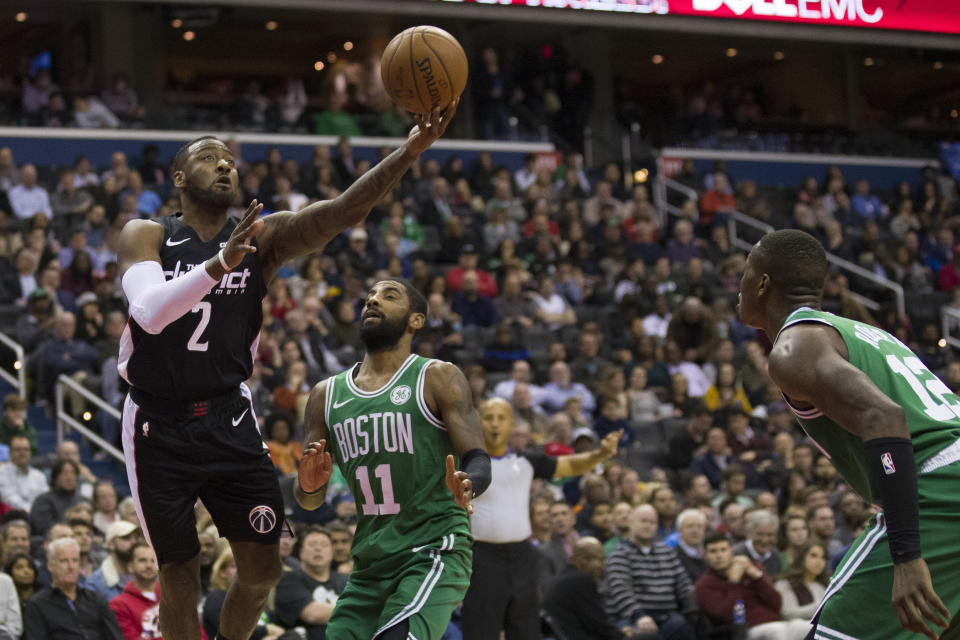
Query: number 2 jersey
(208, 351)
(932, 410)
(392, 452)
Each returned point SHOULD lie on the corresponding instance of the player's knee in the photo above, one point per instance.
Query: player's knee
(181, 580)
(265, 573)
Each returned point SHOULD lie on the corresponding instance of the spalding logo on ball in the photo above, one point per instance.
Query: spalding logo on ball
(422, 68)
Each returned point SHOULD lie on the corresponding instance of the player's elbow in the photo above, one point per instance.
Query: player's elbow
(147, 321)
(884, 422)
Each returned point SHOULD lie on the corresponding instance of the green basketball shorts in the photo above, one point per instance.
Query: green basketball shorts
(856, 605)
(422, 586)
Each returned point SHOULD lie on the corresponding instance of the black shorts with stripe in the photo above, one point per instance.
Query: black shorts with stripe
(208, 450)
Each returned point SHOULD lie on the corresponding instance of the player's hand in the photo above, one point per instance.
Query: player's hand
(914, 599)
(430, 126)
(460, 486)
(239, 243)
(608, 446)
(316, 467)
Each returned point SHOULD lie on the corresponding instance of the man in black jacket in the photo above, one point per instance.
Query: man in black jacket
(573, 600)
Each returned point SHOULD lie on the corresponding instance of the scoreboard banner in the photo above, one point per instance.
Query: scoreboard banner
(935, 16)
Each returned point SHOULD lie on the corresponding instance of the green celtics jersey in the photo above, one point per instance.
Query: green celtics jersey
(932, 410)
(392, 451)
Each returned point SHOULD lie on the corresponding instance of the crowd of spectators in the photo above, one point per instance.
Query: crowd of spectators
(562, 291)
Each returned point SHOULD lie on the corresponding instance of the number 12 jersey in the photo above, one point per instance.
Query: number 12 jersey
(208, 351)
(392, 452)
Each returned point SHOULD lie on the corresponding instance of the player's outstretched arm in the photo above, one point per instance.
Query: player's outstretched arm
(316, 465)
(577, 464)
(448, 395)
(810, 364)
(288, 235)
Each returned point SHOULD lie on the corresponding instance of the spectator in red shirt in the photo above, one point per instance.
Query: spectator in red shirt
(716, 200)
(949, 274)
(486, 285)
(730, 579)
(137, 609)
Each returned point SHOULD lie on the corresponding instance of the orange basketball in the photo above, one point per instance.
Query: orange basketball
(422, 68)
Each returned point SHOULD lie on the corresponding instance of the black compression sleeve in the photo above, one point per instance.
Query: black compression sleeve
(476, 463)
(893, 479)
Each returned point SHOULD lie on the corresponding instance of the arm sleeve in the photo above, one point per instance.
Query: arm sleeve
(543, 466)
(156, 302)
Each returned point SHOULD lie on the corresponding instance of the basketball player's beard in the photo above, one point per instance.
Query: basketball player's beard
(209, 197)
(385, 335)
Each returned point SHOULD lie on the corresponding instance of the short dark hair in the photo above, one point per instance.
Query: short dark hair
(418, 303)
(58, 469)
(183, 152)
(714, 538)
(304, 533)
(794, 260)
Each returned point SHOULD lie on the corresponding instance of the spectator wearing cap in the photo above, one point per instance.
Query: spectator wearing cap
(20, 484)
(474, 308)
(503, 592)
(561, 387)
(28, 198)
(466, 262)
(359, 256)
(14, 422)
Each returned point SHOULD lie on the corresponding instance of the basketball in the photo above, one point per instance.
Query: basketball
(422, 68)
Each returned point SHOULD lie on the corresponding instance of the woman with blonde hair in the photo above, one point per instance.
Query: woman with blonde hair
(221, 577)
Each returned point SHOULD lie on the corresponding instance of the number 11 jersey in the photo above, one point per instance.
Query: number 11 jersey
(392, 452)
(932, 410)
(208, 351)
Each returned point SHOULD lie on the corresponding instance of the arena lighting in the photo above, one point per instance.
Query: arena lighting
(87, 416)
(954, 113)
(189, 35)
(938, 65)
(271, 25)
(731, 52)
(778, 55)
(641, 175)
(21, 17)
(176, 23)
(318, 66)
(657, 58)
(17, 365)
(348, 46)
(868, 62)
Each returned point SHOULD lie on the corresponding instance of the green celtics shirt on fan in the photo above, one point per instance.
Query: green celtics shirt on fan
(932, 409)
(392, 451)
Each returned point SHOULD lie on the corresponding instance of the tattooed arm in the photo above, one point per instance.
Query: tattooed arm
(287, 235)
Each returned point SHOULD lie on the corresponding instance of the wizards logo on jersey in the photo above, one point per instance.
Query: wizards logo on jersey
(233, 283)
(887, 461)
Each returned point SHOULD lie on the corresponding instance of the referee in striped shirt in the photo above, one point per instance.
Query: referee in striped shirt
(646, 589)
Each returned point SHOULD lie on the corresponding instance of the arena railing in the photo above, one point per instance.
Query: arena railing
(950, 319)
(737, 219)
(17, 379)
(65, 385)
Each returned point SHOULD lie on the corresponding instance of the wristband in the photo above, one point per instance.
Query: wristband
(309, 493)
(893, 480)
(223, 263)
(476, 463)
